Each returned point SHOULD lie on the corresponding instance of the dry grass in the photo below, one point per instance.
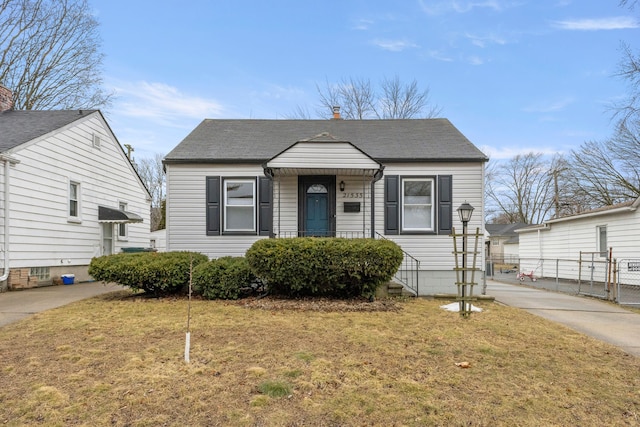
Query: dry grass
(119, 360)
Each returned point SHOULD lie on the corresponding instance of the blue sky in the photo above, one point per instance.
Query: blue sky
(513, 75)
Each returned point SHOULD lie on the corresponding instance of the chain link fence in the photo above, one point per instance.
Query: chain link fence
(628, 283)
(584, 276)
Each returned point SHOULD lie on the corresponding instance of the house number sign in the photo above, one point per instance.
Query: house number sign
(352, 195)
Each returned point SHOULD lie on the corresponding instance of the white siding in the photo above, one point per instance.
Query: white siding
(186, 219)
(356, 189)
(41, 233)
(566, 239)
(435, 251)
(285, 206)
(186, 203)
(323, 155)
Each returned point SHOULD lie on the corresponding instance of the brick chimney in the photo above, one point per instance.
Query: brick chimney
(336, 113)
(6, 99)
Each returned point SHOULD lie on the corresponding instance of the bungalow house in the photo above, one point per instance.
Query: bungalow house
(68, 193)
(591, 237)
(231, 182)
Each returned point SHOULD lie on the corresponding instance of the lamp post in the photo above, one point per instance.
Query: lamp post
(464, 211)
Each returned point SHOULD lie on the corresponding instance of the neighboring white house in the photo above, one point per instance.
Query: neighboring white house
(159, 240)
(232, 182)
(68, 193)
(594, 234)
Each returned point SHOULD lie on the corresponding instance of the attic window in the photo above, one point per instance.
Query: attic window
(96, 141)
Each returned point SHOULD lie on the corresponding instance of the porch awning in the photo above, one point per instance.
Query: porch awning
(117, 216)
(323, 155)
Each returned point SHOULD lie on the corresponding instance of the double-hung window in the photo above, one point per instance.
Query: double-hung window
(74, 201)
(122, 228)
(239, 205)
(602, 240)
(417, 204)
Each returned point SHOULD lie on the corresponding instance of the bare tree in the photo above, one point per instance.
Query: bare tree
(358, 100)
(521, 189)
(628, 111)
(355, 98)
(608, 172)
(50, 54)
(404, 101)
(152, 173)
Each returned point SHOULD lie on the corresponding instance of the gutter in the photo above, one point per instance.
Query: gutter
(8, 162)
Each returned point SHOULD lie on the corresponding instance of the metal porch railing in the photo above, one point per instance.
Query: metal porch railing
(408, 272)
(342, 234)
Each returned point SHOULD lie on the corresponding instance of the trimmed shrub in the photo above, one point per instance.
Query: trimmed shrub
(157, 273)
(223, 278)
(324, 266)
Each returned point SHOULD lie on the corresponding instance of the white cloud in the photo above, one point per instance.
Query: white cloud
(394, 45)
(460, 6)
(362, 24)
(506, 153)
(162, 103)
(439, 56)
(475, 60)
(615, 23)
(549, 107)
(483, 41)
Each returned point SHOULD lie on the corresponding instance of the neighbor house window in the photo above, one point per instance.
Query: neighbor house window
(602, 240)
(41, 273)
(417, 204)
(74, 200)
(96, 141)
(239, 205)
(122, 228)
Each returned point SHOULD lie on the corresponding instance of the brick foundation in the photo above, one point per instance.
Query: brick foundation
(19, 278)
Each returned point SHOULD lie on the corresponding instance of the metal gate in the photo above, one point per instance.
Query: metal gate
(628, 283)
(593, 275)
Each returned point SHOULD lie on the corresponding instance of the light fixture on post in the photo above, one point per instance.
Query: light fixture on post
(341, 185)
(464, 211)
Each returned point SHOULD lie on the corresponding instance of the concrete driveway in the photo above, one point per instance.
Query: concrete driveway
(16, 305)
(599, 319)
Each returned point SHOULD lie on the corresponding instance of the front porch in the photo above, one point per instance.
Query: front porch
(323, 187)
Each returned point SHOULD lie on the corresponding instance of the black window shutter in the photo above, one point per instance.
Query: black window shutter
(391, 204)
(265, 215)
(213, 206)
(445, 204)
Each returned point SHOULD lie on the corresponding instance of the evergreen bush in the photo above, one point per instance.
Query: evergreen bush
(157, 273)
(324, 266)
(223, 278)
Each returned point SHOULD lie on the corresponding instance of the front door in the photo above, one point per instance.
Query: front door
(317, 221)
(107, 238)
(317, 203)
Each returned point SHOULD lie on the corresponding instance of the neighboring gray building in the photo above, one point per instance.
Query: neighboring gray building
(502, 242)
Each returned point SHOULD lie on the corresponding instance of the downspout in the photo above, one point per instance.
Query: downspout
(8, 161)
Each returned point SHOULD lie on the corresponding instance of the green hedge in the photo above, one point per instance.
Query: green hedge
(158, 273)
(223, 278)
(324, 266)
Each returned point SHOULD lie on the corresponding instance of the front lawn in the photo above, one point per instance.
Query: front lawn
(118, 360)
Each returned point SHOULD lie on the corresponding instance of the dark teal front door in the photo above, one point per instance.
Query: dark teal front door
(317, 222)
(316, 205)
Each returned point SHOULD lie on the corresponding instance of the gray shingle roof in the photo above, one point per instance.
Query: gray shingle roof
(18, 127)
(496, 230)
(384, 140)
